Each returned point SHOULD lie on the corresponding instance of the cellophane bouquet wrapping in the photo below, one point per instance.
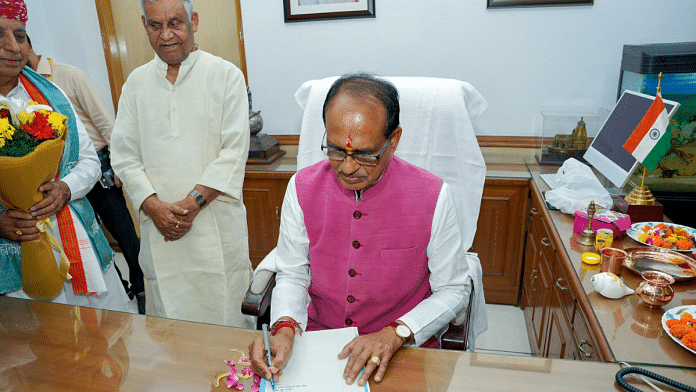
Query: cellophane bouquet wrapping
(32, 138)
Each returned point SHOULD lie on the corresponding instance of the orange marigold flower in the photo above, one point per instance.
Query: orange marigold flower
(657, 241)
(666, 245)
(672, 322)
(686, 316)
(681, 330)
(690, 340)
(684, 244)
(660, 226)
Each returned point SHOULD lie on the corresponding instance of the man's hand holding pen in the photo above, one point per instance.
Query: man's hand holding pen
(371, 352)
(281, 346)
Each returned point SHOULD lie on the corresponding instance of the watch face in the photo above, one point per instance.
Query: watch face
(403, 331)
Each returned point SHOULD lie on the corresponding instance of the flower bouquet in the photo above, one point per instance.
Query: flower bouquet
(32, 138)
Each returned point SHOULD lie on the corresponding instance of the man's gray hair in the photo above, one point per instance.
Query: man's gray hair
(188, 6)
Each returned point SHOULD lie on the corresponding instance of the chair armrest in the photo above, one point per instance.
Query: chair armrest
(456, 336)
(258, 296)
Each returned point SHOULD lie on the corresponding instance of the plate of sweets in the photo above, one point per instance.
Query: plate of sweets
(664, 235)
(680, 325)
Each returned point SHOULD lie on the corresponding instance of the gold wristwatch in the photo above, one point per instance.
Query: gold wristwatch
(403, 331)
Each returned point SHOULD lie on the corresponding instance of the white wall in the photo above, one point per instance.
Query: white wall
(520, 59)
(72, 36)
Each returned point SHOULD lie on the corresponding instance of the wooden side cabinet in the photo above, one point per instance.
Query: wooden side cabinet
(556, 324)
(500, 237)
(263, 194)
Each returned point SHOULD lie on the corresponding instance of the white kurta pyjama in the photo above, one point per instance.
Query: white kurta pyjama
(168, 138)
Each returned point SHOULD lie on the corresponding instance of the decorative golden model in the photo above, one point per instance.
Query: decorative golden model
(575, 143)
(587, 237)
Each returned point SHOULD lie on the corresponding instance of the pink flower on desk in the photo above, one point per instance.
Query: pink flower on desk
(247, 372)
(256, 386)
(233, 381)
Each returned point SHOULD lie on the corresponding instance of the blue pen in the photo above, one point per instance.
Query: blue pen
(267, 343)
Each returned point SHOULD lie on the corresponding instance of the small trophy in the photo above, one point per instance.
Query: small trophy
(263, 149)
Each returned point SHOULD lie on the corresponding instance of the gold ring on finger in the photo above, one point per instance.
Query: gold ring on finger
(177, 224)
(375, 360)
(18, 232)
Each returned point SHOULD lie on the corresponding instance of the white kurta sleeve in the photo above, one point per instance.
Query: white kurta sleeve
(87, 171)
(449, 273)
(290, 295)
(126, 157)
(226, 173)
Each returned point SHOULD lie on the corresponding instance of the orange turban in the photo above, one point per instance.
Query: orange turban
(13, 9)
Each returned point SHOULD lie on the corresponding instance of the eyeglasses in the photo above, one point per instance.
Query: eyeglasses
(336, 154)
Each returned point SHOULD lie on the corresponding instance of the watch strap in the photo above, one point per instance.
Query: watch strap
(407, 339)
(198, 197)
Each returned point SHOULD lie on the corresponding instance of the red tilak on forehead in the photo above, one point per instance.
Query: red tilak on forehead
(349, 139)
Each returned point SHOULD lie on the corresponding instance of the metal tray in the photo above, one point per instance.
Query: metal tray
(678, 265)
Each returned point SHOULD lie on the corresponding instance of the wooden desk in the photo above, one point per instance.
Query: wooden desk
(627, 329)
(46, 346)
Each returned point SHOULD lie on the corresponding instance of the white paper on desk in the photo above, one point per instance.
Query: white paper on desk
(314, 366)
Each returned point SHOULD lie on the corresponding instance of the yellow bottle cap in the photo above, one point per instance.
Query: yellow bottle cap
(590, 258)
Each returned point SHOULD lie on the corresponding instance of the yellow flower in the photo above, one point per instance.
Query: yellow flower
(26, 118)
(57, 122)
(2, 142)
(6, 130)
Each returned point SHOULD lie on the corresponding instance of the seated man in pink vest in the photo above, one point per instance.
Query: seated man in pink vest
(380, 237)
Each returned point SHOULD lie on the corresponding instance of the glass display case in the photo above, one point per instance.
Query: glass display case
(567, 134)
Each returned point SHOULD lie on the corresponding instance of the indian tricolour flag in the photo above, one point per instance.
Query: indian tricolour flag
(650, 141)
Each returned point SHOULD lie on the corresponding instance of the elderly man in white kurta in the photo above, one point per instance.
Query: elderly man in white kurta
(180, 145)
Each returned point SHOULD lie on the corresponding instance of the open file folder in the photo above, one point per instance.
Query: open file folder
(313, 365)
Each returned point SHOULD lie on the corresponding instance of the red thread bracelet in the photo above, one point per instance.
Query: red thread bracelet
(285, 323)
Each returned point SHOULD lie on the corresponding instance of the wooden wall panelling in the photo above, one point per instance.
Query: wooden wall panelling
(499, 238)
(483, 141)
(263, 198)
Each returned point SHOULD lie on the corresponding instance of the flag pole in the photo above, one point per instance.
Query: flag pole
(642, 182)
(659, 81)
(659, 90)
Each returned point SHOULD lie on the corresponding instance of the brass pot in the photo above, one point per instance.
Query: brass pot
(655, 290)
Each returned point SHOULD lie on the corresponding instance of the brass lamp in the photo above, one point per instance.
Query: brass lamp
(587, 237)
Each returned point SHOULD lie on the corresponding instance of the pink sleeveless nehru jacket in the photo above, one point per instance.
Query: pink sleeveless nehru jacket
(367, 258)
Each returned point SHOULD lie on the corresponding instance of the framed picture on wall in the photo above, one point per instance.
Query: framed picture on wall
(305, 10)
(535, 3)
